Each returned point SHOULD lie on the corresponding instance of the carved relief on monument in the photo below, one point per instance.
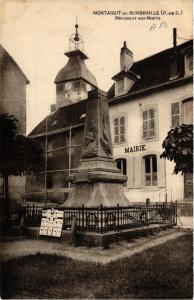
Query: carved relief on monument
(104, 140)
(90, 148)
(97, 137)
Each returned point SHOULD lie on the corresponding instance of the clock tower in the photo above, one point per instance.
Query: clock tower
(74, 80)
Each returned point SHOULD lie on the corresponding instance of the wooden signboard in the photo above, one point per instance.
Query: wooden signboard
(51, 223)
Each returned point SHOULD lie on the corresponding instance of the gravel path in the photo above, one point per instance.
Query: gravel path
(23, 247)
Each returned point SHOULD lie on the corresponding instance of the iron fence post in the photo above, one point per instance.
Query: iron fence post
(79, 209)
(86, 210)
(147, 209)
(101, 218)
(176, 212)
(16, 214)
(82, 216)
(117, 216)
(33, 215)
(147, 216)
(27, 214)
(24, 214)
(172, 213)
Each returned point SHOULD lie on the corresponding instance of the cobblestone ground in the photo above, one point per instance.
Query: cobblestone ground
(23, 247)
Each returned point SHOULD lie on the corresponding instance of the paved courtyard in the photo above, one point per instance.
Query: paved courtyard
(185, 222)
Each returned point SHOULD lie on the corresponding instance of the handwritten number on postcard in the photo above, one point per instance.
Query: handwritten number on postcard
(162, 24)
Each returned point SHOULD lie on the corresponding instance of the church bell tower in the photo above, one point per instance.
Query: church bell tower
(74, 80)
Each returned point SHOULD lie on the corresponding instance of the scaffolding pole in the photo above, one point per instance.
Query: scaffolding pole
(69, 184)
(45, 169)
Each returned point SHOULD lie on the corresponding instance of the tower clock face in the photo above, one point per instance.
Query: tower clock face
(68, 86)
(89, 87)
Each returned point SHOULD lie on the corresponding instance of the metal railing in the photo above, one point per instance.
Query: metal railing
(104, 219)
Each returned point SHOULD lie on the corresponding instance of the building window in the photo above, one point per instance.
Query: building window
(175, 114)
(49, 182)
(119, 130)
(188, 111)
(122, 165)
(149, 123)
(189, 64)
(120, 86)
(50, 149)
(150, 170)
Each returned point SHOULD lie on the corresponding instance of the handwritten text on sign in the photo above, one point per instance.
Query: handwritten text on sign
(51, 223)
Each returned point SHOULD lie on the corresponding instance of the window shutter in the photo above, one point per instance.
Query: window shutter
(138, 172)
(175, 114)
(130, 172)
(188, 112)
(156, 120)
(161, 172)
(145, 123)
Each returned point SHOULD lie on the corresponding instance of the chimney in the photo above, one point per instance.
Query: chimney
(174, 64)
(174, 37)
(126, 58)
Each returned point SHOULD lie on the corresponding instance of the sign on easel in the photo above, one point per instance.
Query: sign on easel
(51, 223)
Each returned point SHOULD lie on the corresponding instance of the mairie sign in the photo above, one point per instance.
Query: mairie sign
(135, 148)
(51, 223)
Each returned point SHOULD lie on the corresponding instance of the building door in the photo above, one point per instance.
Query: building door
(188, 119)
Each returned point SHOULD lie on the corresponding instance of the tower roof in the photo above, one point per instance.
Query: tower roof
(75, 67)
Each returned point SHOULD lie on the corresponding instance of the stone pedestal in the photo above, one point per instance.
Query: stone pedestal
(97, 181)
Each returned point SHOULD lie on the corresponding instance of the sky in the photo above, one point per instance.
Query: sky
(36, 34)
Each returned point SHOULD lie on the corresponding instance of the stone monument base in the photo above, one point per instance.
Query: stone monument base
(95, 194)
(97, 182)
(97, 239)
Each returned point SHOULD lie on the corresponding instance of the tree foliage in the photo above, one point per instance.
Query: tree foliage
(178, 147)
(19, 155)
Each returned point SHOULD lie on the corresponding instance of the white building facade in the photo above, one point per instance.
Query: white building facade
(142, 112)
